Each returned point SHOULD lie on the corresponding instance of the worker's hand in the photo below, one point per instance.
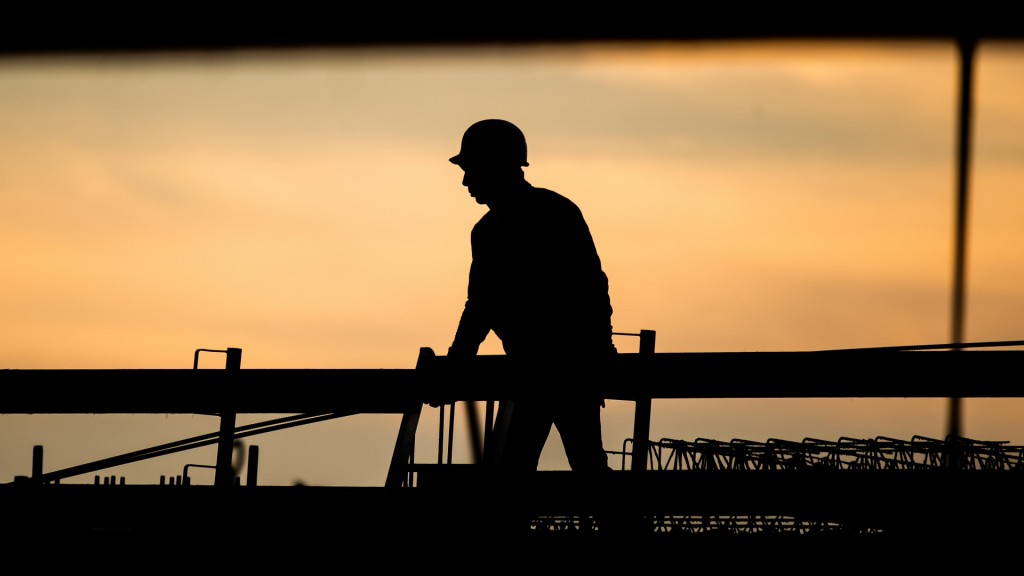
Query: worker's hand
(456, 361)
(457, 353)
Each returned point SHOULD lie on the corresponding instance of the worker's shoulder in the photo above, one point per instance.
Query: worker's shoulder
(552, 198)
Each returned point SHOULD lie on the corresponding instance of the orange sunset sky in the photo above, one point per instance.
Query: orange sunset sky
(300, 205)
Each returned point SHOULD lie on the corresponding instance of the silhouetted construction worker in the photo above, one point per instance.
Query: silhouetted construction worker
(536, 281)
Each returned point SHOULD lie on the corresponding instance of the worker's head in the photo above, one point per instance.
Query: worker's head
(492, 142)
(492, 156)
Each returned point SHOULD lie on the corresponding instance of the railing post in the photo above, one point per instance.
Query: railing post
(225, 475)
(37, 461)
(642, 415)
(253, 465)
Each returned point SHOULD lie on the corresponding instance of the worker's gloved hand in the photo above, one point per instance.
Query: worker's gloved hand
(457, 352)
(457, 360)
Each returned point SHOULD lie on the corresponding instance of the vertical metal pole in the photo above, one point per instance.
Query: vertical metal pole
(488, 425)
(966, 45)
(451, 432)
(234, 359)
(225, 476)
(494, 448)
(253, 465)
(37, 461)
(440, 434)
(476, 443)
(647, 341)
(642, 415)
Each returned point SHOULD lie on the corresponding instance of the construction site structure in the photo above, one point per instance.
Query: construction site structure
(810, 496)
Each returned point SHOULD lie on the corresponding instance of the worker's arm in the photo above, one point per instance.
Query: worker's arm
(471, 332)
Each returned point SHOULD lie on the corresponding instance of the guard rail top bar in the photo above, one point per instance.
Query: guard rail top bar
(818, 374)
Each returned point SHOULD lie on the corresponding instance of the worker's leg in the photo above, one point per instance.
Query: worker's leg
(579, 425)
(528, 430)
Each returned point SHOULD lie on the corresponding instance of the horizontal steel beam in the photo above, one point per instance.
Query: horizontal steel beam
(830, 374)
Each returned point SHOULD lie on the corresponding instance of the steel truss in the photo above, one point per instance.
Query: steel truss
(880, 453)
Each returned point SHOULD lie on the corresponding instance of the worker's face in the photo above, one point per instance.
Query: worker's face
(484, 182)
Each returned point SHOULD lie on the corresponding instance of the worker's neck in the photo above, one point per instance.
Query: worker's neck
(505, 193)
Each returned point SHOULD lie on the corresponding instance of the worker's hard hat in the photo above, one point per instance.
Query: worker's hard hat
(492, 142)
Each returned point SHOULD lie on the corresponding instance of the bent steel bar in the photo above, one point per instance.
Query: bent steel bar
(827, 374)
